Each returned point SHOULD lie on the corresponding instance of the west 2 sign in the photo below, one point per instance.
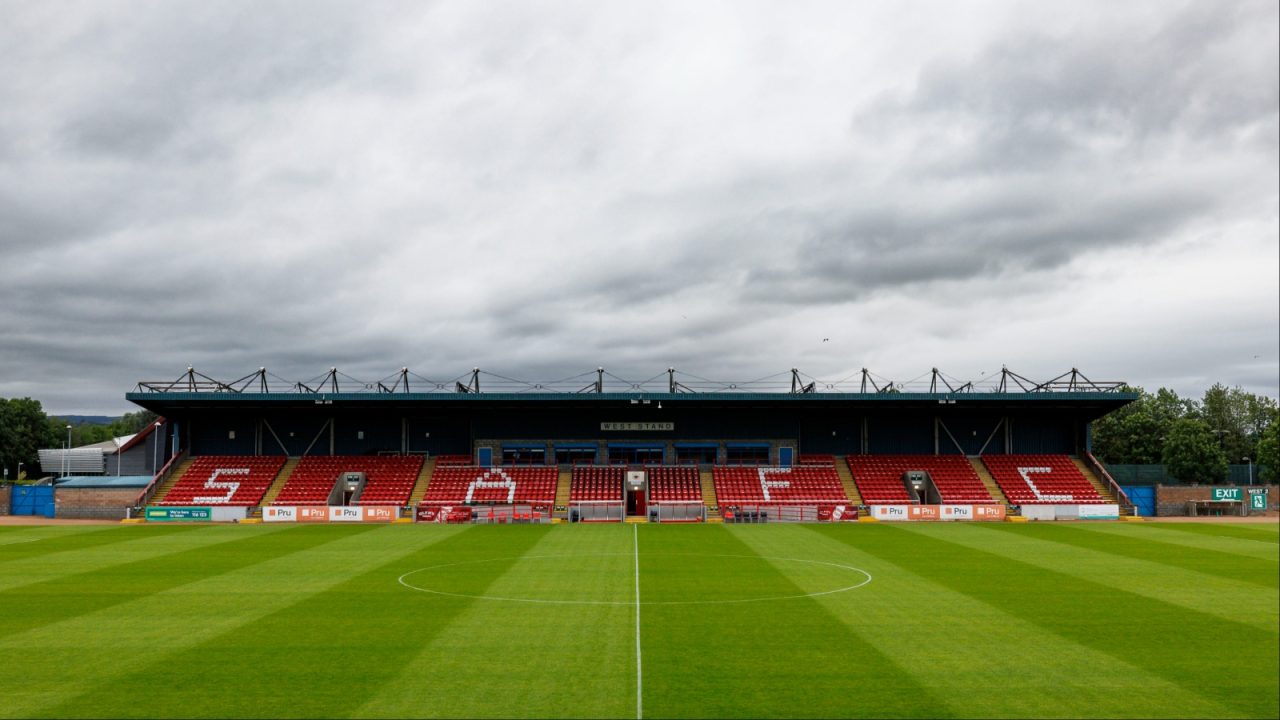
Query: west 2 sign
(1257, 498)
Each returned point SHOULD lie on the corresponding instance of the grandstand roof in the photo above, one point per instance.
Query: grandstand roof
(404, 389)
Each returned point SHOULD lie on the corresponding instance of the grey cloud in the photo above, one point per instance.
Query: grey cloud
(1205, 72)
(542, 190)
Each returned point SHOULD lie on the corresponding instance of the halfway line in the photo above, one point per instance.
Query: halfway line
(635, 535)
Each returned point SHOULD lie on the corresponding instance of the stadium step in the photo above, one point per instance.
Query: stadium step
(563, 486)
(707, 480)
(1132, 518)
(172, 480)
(846, 480)
(988, 481)
(1095, 481)
(286, 472)
(637, 519)
(424, 479)
(1015, 519)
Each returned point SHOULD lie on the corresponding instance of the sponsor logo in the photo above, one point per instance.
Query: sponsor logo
(923, 512)
(313, 514)
(280, 514)
(379, 514)
(345, 514)
(988, 512)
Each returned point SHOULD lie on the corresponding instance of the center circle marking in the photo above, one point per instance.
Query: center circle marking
(404, 580)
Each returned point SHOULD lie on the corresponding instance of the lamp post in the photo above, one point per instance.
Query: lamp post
(19, 475)
(155, 453)
(1250, 461)
(66, 456)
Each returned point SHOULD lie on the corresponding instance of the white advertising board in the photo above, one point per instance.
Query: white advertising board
(890, 513)
(345, 514)
(1108, 511)
(957, 512)
(279, 514)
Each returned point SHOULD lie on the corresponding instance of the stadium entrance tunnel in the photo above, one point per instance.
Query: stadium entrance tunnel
(664, 579)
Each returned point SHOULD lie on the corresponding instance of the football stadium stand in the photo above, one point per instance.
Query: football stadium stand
(816, 460)
(455, 485)
(389, 479)
(596, 484)
(777, 485)
(1041, 479)
(879, 478)
(225, 480)
(674, 484)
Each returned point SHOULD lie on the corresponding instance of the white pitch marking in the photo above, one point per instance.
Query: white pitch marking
(537, 601)
(635, 535)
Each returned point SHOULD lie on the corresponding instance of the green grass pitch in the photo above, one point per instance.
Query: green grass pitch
(880, 620)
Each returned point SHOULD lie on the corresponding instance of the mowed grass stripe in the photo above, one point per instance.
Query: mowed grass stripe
(1085, 612)
(969, 652)
(511, 659)
(68, 596)
(131, 543)
(1147, 531)
(323, 656)
(784, 658)
(1227, 599)
(1241, 568)
(87, 655)
(1263, 533)
(61, 539)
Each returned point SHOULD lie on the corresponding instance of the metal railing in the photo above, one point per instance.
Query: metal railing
(149, 491)
(1112, 485)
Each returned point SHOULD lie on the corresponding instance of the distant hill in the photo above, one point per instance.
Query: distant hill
(88, 419)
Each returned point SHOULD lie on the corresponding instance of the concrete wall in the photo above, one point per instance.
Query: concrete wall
(1171, 500)
(94, 503)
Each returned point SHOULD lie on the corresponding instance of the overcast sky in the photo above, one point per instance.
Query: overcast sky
(733, 189)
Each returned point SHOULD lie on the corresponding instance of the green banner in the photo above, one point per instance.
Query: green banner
(1226, 493)
(171, 514)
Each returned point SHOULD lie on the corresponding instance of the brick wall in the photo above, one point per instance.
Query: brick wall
(4, 500)
(94, 503)
(1173, 499)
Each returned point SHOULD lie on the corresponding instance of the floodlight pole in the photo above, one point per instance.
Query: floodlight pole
(155, 453)
(66, 456)
(1250, 461)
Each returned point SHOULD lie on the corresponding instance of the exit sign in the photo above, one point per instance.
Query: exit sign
(1226, 494)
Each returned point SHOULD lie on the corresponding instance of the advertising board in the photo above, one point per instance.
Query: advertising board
(329, 514)
(926, 513)
(1106, 511)
(889, 513)
(179, 514)
(279, 514)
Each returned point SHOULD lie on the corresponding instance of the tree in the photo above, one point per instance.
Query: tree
(24, 429)
(1192, 453)
(1237, 419)
(1268, 451)
(1135, 433)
